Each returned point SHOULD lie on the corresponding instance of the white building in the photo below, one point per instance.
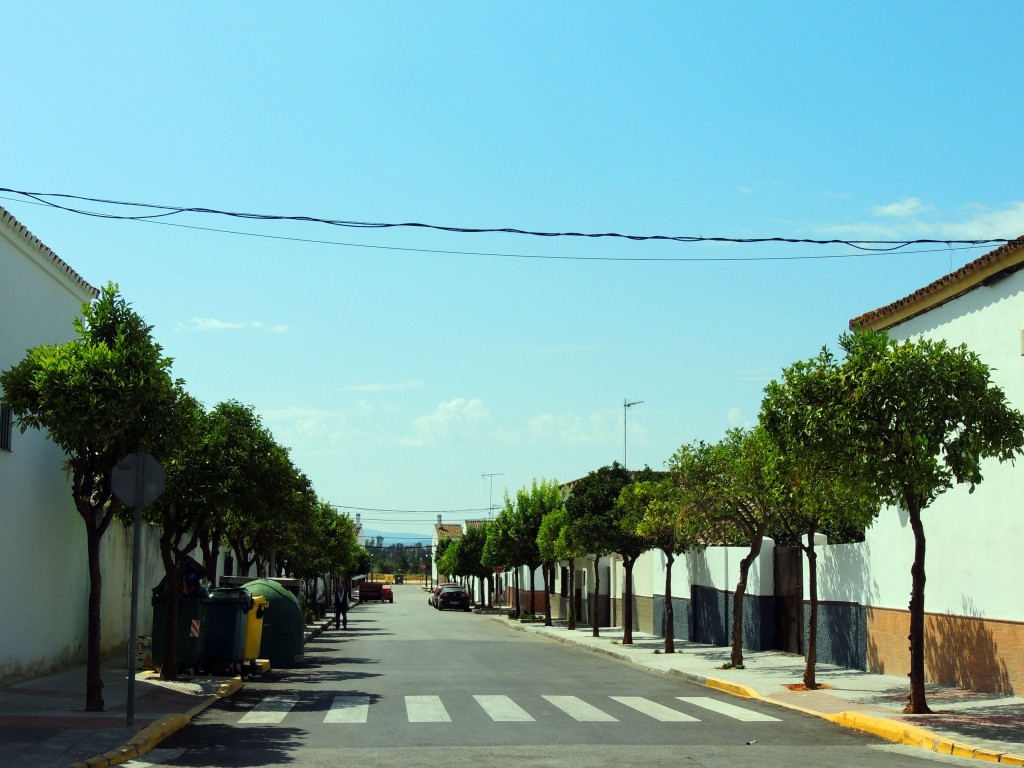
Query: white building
(43, 559)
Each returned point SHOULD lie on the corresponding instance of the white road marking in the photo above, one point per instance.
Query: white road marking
(426, 709)
(154, 758)
(659, 712)
(579, 710)
(503, 710)
(729, 710)
(348, 709)
(271, 710)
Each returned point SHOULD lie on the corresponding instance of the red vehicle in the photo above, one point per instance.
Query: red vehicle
(374, 590)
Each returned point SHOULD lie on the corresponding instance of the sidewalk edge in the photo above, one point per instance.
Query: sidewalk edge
(886, 728)
(154, 733)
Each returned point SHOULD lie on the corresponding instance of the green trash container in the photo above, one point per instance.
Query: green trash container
(190, 639)
(226, 611)
(284, 627)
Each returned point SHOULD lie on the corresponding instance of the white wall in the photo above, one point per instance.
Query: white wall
(43, 558)
(42, 551)
(719, 568)
(973, 540)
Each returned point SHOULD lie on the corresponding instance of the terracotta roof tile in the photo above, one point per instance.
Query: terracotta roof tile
(6, 217)
(993, 266)
(448, 530)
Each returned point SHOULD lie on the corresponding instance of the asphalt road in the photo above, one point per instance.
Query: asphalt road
(406, 685)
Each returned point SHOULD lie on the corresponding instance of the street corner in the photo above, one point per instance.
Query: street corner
(735, 689)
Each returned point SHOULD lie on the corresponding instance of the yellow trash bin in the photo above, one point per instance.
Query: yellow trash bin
(254, 627)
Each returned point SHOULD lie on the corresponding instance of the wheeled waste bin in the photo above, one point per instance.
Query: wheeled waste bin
(190, 638)
(254, 628)
(284, 627)
(226, 611)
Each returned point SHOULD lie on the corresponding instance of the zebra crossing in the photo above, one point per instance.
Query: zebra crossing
(348, 709)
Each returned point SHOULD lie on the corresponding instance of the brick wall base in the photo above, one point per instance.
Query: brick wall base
(961, 651)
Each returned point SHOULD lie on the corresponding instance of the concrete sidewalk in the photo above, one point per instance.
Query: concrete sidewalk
(43, 723)
(965, 723)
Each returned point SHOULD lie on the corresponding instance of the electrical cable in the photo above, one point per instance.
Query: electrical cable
(164, 211)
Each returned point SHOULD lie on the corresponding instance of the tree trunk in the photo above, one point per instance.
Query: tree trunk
(93, 677)
(917, 705)
(172, 580)
(812, 628)
(571, 625)
(516, 576)
(670, 626)
(595, 620)
(627, 613)
(533, 590)
(736, 658)
(547, 600)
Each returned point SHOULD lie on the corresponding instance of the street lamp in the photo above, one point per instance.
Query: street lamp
(625, 409)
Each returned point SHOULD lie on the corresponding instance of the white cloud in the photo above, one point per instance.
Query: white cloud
(458, 419)
(213, 324)
(734, 418)
(571, 429)
(971, 221)
(902, 209)
(381, 387)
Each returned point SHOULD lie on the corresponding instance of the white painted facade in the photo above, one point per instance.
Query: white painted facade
(974, 561)
(43, 558)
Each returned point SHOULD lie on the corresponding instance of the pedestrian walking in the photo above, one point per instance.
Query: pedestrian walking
(340, 608)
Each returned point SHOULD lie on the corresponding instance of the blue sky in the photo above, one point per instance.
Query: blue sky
(400, 366)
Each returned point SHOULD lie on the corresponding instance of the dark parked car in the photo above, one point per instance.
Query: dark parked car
(453, 597)
(432, 598)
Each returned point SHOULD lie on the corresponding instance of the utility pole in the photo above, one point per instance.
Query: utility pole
(490, 496)
(625, 409)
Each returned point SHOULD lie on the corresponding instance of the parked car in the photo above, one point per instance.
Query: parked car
(453, 597)
(388, 594)
(432, 597)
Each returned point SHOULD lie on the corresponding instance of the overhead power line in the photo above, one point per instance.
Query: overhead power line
(408, 511)
(161, 211)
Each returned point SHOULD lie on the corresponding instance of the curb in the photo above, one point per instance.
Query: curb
(150, 736)
(154, 733)
(886, 728)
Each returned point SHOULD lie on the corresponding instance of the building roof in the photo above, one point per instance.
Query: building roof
(448, 530)
(34, 243)
(986, 270)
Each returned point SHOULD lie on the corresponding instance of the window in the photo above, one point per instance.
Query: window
(6, 428)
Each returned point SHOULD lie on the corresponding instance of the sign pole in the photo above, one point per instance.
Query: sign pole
(134, 622)
(137, 481)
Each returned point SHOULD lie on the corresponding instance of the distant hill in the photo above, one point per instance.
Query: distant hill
(408, 539)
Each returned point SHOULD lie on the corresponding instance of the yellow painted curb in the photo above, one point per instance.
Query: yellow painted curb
(736, 689)
(154, 733)
(913, 736)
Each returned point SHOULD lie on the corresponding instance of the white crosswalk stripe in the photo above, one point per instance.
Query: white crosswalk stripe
(355, 709)
(269, 711)
(426, 709)
(579, 710)
(653, 709)
(348, 709)
(503, 710)
(729, 710)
